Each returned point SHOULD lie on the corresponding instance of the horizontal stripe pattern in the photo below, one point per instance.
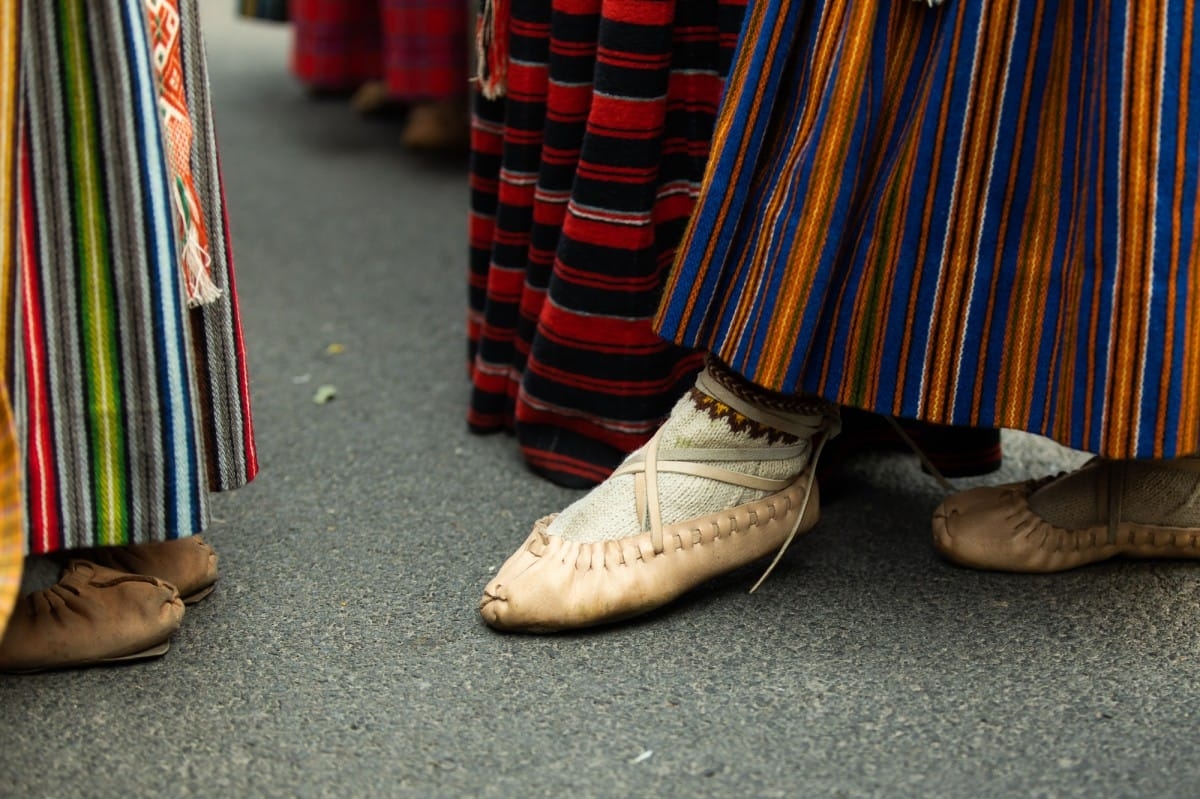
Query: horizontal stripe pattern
(582, 180)
(979, 214)
(130, 407)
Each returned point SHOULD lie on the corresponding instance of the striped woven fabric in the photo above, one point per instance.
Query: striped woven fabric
(130, 407)
(419, 47)
(12, 528)
(582, 181)
(982, 214)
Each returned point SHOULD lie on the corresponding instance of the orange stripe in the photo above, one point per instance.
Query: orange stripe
(756, 272)
(906, 32)
(1090, 422)
(830, 159)
(1066, 339)
(1186, 419)
(726, 121)
(12, 527)
(1071, 300)
(966, 212)
(1136, 182)
(1189, 411)
(927, 221)
(1027, 312)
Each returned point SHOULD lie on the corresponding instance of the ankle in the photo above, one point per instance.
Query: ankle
(710, 425)
(760, 412)
(1164, 492)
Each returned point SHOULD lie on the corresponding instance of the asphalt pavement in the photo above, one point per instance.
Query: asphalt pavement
(342, 655)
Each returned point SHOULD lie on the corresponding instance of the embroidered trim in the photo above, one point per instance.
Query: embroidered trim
(739, 423)
(165, 31)
(739, 386)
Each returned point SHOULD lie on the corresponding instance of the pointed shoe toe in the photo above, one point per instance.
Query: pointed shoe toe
(550, 584)
(981, 526)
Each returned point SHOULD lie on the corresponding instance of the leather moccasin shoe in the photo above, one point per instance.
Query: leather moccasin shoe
(189, 564)
(734, 516)
(441, 126)
(550, 584)
(93, 615)
(1138, 509)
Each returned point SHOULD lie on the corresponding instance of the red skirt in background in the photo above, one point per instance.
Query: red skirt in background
(582, 180)
(419, 47)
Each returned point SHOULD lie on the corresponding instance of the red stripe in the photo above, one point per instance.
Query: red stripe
(45, 523)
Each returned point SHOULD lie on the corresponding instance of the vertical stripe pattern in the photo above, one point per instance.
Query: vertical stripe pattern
(129, 407)
(979, 214)
(12, 550)
(582, 180)
(12, 529)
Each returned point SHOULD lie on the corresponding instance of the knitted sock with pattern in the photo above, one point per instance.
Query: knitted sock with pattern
(721, 412)
(1162, 492)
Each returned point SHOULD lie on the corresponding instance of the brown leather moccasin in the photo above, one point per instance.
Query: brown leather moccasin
(189, 564)
(93, 615)
(1106, 509)
(441, 126)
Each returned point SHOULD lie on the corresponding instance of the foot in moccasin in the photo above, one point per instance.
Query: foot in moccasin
(189, 564)
(438, 126)
(1106, 509)
(94, 615)
(726, 481)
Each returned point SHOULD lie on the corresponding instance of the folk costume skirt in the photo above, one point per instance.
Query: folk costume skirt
(130, 405)
(12, 526)
(983, 213)
(419, 47)
(582, 179)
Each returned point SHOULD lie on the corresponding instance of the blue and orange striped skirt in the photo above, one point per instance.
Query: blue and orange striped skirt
(983, 213)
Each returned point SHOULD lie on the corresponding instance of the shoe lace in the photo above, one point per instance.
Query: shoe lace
(920, 453)
(813, 429)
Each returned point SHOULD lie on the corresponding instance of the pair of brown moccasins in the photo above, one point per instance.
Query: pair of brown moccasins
(111, 604)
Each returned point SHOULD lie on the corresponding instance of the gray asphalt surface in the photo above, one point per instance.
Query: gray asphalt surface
(342, 656)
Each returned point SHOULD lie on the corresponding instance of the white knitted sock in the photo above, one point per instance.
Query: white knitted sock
(699, 422)
(1151, 492)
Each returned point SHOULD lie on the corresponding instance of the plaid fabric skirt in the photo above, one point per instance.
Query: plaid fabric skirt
(419, 47)
(130, 407)
(983, 213)
(582, 180)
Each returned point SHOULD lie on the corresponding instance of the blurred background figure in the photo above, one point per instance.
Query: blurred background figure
(410, 54)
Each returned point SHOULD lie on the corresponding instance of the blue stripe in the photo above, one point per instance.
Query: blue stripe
(1078, 255)
(181, 469)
